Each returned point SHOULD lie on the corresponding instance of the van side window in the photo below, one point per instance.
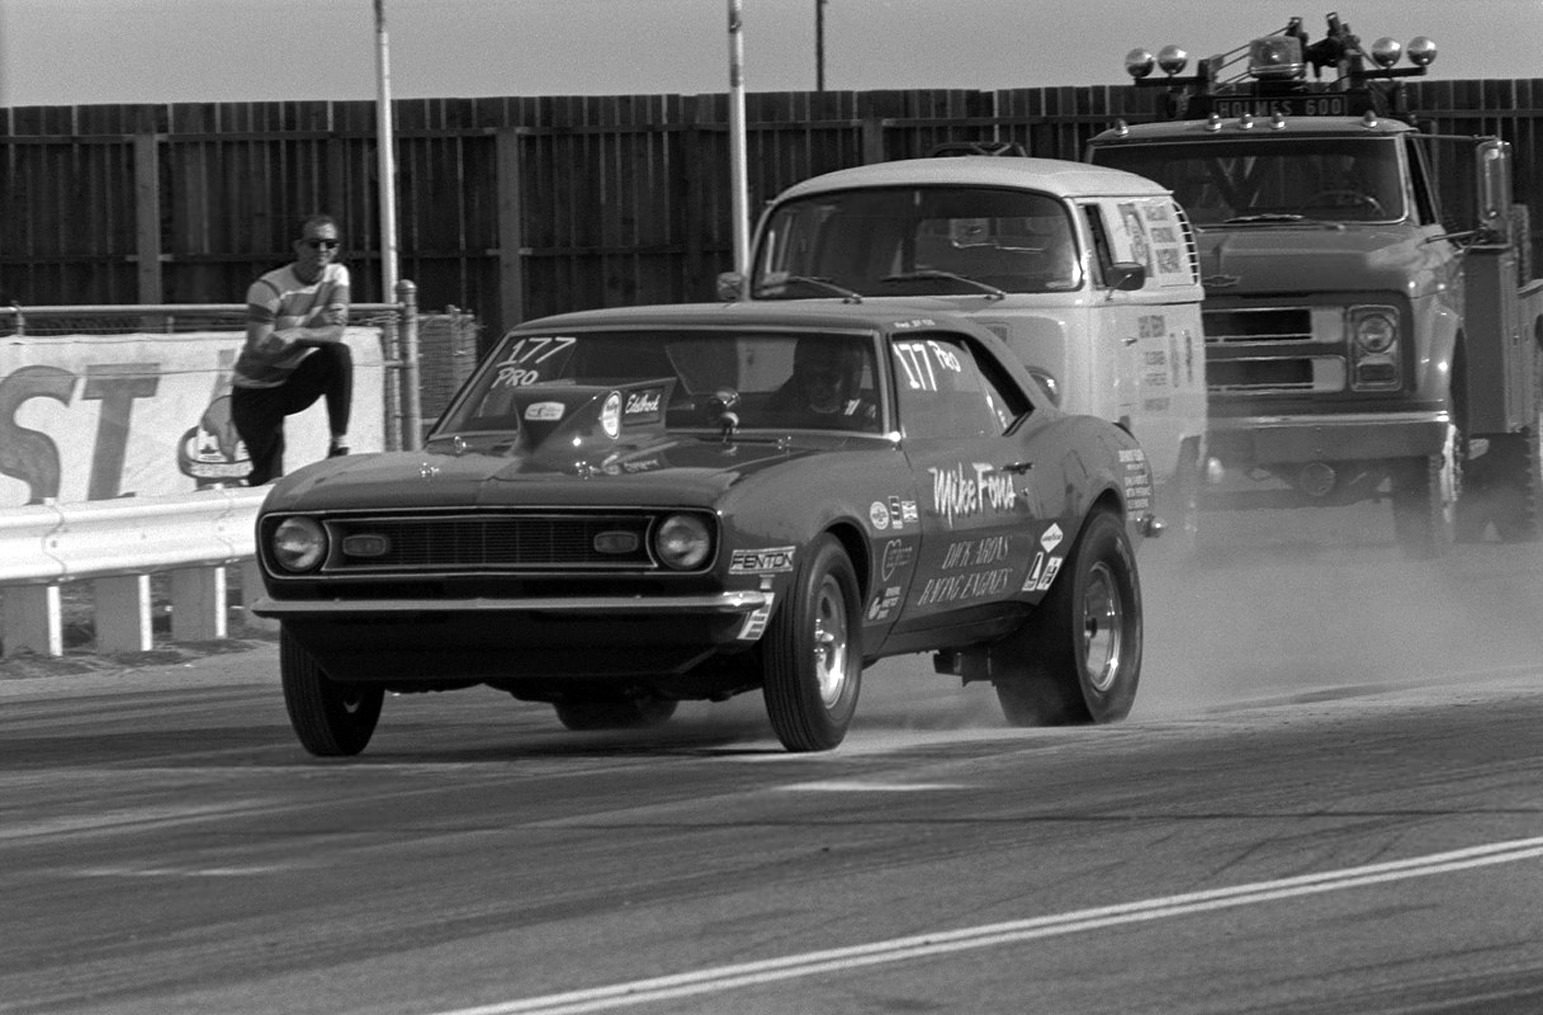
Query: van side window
(944, 392)
(1104, 259)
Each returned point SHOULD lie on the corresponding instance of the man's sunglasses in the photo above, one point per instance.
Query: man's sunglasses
(316, 244)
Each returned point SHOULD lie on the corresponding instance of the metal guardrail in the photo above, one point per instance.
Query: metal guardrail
(118, 544)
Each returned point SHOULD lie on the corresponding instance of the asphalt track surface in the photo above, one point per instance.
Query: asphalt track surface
(1326, 800)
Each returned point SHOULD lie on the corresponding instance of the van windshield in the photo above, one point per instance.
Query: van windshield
(901, 241)
(1272, 180)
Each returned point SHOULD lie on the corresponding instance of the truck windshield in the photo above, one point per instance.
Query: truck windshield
(900, 241)
(1272, 179)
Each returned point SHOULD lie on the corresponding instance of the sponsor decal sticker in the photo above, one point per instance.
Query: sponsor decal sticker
(610, 414)
(1035, 570)
(884, 604)
(1052, 537)
(878, 514)
(642, 403)
(755, 623)
(769, 560)
(544, 412)
(896, 555)
(964, 491)
(1052, 568)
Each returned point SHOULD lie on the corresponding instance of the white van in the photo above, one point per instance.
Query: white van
(1089, 274)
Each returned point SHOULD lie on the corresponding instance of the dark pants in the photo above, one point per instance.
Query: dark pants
(259, 412)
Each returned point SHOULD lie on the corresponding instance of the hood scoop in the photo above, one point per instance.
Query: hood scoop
(582, 419)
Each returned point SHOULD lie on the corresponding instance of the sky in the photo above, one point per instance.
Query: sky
(84, 52)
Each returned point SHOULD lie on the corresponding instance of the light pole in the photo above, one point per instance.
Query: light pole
(819, 44)
(385, 155)
(738, 177)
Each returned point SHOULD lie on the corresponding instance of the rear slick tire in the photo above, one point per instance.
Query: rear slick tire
(812, 654)
(1077, 657)
(331, 718)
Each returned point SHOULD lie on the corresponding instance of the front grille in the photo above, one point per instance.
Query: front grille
(1259, 324)
(488, 542)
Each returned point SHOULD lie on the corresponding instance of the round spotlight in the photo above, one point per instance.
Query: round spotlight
(1422, 51)
(1139, 63)
(1386, 52)
(1172, 60)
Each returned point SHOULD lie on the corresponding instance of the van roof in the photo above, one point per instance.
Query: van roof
(1058, 177)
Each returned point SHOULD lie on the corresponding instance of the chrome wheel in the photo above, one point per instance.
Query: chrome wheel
(830, 642)
(1103, 628)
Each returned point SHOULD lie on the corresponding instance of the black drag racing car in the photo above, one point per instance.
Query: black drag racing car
(622, 509)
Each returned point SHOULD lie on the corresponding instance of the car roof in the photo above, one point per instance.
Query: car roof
(871, 314)
(1057, 177)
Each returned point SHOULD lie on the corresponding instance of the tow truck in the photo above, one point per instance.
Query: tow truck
(1361, 342)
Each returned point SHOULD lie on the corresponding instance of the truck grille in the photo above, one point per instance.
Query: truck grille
(1261, 324)
(1274, 350)
(506, 542)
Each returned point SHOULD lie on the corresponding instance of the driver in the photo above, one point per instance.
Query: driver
(825, 390)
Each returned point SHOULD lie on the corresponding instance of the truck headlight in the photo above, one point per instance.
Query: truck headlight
(683, 542)
(1376, 329)
(299, 544)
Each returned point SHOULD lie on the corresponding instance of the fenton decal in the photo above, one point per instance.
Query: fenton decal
(963, 490)
(767, 561)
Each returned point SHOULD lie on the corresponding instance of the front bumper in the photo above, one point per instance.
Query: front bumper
(485, 639)
(1265, 441)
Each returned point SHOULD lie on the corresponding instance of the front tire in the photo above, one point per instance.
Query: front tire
(812, 662)
(1425, 496)
(1077, 658)
(332, 718)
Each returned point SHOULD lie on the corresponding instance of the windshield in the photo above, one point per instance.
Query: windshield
(900, 241)
(1285, 179)
(780, 380)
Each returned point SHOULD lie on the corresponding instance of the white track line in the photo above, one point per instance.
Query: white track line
(724, 978)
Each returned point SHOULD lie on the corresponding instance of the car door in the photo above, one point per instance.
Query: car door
(973, 489)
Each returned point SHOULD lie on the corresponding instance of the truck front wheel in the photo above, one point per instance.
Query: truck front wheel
(1425, 493)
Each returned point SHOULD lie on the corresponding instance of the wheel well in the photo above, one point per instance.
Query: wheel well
(1108, 501)
(856, 547)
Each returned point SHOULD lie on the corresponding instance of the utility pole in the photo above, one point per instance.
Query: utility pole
(739, 177)
(819, 44)
(386, 157)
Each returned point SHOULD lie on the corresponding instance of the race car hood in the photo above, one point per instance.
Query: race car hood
(1307, 257)
(597, 445)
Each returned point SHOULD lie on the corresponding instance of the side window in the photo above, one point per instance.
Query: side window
(943, 393)
(1105, 257)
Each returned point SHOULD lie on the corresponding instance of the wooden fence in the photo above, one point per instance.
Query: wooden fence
(510, 208)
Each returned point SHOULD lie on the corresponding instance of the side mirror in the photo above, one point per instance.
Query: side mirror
(1494, 180)
(1127, 275)
(731, 286)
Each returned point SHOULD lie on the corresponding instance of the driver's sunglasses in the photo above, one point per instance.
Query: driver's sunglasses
(316, 244)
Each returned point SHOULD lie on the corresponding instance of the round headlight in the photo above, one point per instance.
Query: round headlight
(1376, 333)
(299, 544)
(682, 542)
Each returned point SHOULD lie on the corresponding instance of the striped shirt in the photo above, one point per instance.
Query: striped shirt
(281, 299)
